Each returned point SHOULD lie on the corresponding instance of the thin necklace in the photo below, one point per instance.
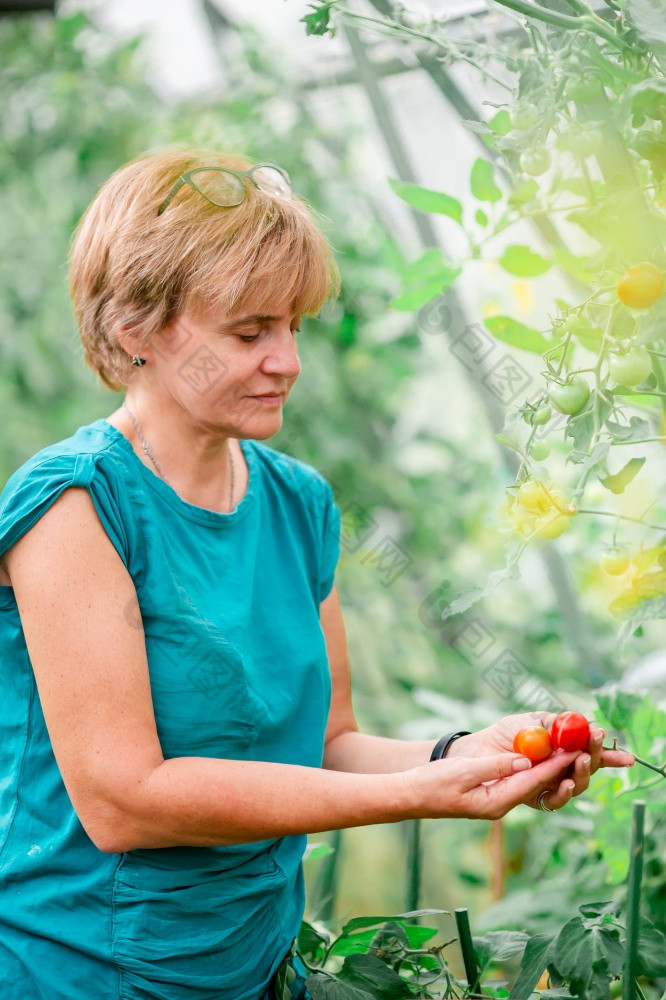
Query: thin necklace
(146, 448)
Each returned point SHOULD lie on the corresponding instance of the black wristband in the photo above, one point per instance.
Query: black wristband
(441, 746)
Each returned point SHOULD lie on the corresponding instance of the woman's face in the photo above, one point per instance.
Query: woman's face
(232, 374)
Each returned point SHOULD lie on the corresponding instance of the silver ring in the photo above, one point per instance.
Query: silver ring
(542, 804)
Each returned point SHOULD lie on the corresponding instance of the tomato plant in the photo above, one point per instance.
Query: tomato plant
(534, 742)
(570, 731)
(581, 134)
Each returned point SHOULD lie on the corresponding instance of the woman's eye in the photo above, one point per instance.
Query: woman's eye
(248, 339)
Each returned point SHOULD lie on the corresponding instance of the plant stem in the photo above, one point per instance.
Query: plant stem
(639, 760)
(586, 22)
(621, 517)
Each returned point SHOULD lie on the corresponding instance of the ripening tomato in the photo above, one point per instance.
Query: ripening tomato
(615, 562)
(553, 525)
(570, 731)
(534, 743)
(534, 496)
(641, 285)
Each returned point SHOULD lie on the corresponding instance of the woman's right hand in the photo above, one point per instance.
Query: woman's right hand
(480, 787)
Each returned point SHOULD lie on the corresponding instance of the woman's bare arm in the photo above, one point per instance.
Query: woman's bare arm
(89, 658)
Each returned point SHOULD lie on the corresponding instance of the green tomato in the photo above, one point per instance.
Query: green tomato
(631, 368)
(539, 416)
(535, 162)
(524, 118)
(571, 397)
(539, 451)
(583, 90)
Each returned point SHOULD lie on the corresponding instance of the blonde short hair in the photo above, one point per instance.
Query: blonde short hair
(131, 268)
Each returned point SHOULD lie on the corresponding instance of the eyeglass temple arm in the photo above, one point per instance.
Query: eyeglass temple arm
(172, 193)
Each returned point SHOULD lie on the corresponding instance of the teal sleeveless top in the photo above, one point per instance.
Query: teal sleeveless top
(238, 669)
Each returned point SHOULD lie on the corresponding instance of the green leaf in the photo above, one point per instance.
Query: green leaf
(314, 851)
(499, 946)
(535, 959)
(525, 191)
(648, 18)
(651, 950)
(610, 908)
(476, 594)
(510, 331)
(481, 217)
(618, 482)
(500, 123)
(424, 279)
(359, 923)
(311, 940)
(618, 707)
(323, 986)
(482, 184)
(575, 266)
(369, 973)
(427, 201)
(523, 262)
(417, 936)
(318, 23)
(588, 957)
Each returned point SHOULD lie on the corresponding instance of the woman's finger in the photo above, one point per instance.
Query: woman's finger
(525, 785)
(559, 796)
(582, 772)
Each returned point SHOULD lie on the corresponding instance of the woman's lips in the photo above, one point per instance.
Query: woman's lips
(270, 399)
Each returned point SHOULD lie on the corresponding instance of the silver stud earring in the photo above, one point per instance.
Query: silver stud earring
(136, 360)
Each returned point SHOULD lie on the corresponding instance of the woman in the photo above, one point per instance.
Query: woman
(177, 714)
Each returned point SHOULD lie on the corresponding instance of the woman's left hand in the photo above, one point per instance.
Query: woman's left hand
(499, 737)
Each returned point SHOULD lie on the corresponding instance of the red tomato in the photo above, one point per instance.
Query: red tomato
(570, 731)
(534, 743)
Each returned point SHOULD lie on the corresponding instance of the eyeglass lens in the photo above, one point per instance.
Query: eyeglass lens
(272, 181)
(223, 189)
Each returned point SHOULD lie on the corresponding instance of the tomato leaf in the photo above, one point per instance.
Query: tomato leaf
(511, 332)
(589, 956)
(424, 279)
(618, 482)
(538, 953)
(651, 950)
(317, 851)
(369, 973)
(498, 946)
(323, 986)
(482, 183)
(525, 192)
(523, 262)
(577, 267)
(426, 200)
(648, 18)
(501, 122)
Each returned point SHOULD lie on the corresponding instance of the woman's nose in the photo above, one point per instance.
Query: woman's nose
(282, 355)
